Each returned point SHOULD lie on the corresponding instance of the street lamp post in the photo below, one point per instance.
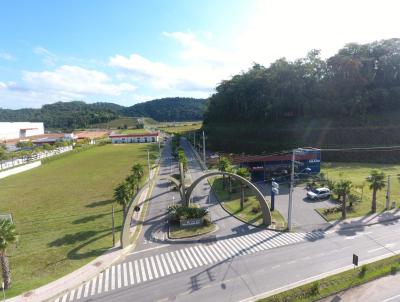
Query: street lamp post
(204, 149)
(290, 208)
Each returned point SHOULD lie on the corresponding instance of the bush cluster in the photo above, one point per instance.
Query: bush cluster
(178, 212)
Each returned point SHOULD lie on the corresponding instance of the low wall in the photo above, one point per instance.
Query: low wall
(20, 169)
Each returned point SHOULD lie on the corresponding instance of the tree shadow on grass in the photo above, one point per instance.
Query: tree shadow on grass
(87, 238)
(99, 203)
(73, 238)
(89, 218)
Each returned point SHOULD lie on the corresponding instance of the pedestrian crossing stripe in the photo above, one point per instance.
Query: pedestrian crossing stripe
(149, 268)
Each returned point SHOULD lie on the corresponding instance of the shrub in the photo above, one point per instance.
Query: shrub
(363, 271)
(394, 269)
(206, 221)
(314, 289)
(178, 212)
(256, 209)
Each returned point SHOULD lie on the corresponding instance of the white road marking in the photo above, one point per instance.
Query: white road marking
(132, 281)
(113, 277)
(119, 276)
(137, 273)
(124, 268)
(148, 269)
(93, 286)
(106, 280)
(159, 265)
(142, 270)
(165, 264)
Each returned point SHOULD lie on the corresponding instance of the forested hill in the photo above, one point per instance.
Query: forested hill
(347, 99)
(67, 115)
(169, 109)
(76, 114)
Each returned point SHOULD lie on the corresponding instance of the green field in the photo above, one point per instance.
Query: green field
(357, 173)
(62, 211)
(231, 202)
(130, 122)
(180, 128)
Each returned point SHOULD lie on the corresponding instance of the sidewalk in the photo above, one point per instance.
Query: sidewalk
(387, 217)
(74, 279)
(384, 289)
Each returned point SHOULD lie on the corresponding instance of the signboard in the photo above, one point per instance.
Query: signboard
(6, 216)
(194, 222)
(355, 259)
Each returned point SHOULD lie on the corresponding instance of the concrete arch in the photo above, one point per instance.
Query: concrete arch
(263, 203)
(174, 180)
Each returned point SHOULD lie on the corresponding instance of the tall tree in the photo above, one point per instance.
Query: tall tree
(224, 165)
(122, 195)
(343, 188)
(245, 174)
(8, 235)
(138, 173)
(376, 181)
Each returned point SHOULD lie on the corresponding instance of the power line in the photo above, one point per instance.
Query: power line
(381, 148)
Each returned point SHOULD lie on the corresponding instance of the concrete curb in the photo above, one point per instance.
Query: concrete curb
(50, 291)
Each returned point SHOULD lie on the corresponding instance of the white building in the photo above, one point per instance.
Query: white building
(16, 130)
(134, 138)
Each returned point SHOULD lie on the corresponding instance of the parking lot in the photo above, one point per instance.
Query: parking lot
(304, 216)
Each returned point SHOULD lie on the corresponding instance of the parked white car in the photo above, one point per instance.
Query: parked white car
(319, 193)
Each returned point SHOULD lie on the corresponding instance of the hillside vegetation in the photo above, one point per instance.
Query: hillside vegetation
(349, 99)
(169, 109)
(77, 114)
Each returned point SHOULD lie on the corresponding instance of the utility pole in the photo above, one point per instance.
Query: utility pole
(194, 140)
(113, 224)
(204, 149)
(388, 194)
(290, 208)
(148, 162)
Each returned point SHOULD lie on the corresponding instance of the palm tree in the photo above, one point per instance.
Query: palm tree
(223, 166)
(377, 182)
(244, 173)
(138, 172)
(8, 235)
(122, 195)
(133, 183)
(343, 188)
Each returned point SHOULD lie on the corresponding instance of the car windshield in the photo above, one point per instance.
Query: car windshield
(315, 191)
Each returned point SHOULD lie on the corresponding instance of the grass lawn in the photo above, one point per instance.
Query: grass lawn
(181, 128)
(119, 122)
(62, 211)
(357, 173)
(176, 232)
(231, 202)
(339, 282)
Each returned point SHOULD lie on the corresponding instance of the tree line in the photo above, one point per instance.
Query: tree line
(360, 80)
(77, 114)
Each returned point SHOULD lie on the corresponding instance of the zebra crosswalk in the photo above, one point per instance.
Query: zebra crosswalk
(135, 272)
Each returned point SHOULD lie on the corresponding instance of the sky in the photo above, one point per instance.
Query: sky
(129, 51)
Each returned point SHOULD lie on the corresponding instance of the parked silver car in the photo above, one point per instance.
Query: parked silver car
(319, 193)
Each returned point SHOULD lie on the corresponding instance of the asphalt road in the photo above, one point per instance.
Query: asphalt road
(237, 263)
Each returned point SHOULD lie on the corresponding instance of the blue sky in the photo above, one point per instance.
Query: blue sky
(131, 51)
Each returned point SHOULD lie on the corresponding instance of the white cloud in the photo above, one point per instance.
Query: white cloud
(75, 80)
(48, 58)
(201, 68)
(7, 56)
(62, 84)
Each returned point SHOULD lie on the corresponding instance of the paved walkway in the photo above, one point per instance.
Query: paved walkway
(385, 289)
(387, 217)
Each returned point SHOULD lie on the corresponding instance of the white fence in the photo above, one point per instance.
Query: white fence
(7, 164)
(20, 169)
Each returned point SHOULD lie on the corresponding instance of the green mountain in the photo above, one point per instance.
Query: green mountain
(169, 109)
(77, 114)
